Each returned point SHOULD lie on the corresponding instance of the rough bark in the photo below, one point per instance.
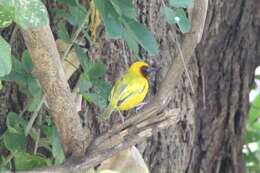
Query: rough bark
(226, 62)
(210, 137)
(50, 73)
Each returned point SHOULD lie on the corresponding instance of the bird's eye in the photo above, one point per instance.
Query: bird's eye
(144, 71)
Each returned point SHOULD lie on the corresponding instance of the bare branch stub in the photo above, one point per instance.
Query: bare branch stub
(118, 141)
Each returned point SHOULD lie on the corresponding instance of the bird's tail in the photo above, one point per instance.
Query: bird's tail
(106, 114)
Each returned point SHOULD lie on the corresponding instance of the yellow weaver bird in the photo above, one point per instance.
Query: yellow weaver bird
(130, 90)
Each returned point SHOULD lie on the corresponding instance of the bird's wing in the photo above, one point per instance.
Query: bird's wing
(127, 88)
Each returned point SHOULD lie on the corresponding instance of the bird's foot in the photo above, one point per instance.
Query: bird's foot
(140, 106)
(122, 118)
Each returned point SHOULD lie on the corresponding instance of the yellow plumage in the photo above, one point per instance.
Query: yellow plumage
(129, 91)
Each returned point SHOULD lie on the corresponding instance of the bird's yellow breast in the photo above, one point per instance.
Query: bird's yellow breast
(129, 91)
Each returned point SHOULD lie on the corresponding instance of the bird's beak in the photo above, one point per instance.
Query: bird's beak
(153, 69)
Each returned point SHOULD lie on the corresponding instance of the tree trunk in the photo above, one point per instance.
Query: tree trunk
(209, 137)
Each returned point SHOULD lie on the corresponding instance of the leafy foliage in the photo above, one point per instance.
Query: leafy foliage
(119, 19)
(8, 13)
(14, 138)
(5, 57)
(92, 87)
(175, 14)
(27, 14)
(30, 14)
(21, 74)
(180, 3)
(25, 161)
(15, 141)
(252, 142)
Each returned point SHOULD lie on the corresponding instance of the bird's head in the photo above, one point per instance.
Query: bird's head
(142, 68)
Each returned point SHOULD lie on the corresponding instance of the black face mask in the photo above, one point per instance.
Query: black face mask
(146, 70)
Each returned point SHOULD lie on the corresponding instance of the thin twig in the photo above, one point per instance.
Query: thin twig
(203, 89)
(12, 39)
(37, 141)
(124, 53)
(33, 117)
(174, 36)
(39, 123)
(75, 36)
(2, 136)
(8, 159)
(76, 68)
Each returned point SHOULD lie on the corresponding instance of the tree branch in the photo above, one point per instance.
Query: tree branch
(115, 141)
(49, 71)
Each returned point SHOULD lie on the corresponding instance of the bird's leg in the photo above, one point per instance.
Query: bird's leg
(140, 106)
(122, 118)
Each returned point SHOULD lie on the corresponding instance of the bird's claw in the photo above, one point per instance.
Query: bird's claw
(140, 106)
(122, 118)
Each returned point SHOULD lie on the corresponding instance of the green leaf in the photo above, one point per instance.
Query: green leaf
(57, 150)
(143, 36)
(252, 136)
(19, 78)
(27, 61)
(7, 13)
(3, 168)
(15, 142)
(17, 66)
(18, 74)
(169, 15)
(83, 58)
(33, 86)
(113, 28)
(34, 103)
(96, 71)
(253, 87)
(30, 14)
(47, 131)
(110, 17)
(131, 42)
(254, 111)
(96, 99)
(102, 87)
(180, 3)
(68, 2)
(84, 84)
(62, 32)
(251, 157)
(14, 76)
(25, 161)
(124, 8)
(1, 85)
(62, 13)
(87, 36)
(15, 123)
(182, 20)
(77, 15)
(5, 57)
